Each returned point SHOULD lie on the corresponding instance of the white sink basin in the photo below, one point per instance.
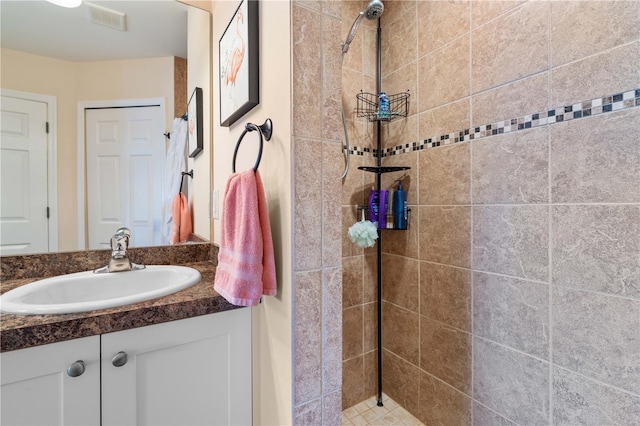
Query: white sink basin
(86, 291)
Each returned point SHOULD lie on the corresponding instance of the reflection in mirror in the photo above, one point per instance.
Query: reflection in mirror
(79, 70)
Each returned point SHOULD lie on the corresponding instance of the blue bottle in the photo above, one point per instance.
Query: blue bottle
(400, 207)
(383, 106)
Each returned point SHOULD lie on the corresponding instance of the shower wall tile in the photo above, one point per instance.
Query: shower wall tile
(307, 72)
(309, 413)
(371, 378)
(595, 247)
(597, 336)
(308, 202)
(445, 294)
(607, 72)
(401, 334)
(332, 8)
(438, 81)
(445, 352)
(370, 277)
(570, 41)
(512, 312)
(504, 49)
(512, 240)
(352, 285)
(401, 281)
(403, 80)
(349, 217)
(445, 177)
(482, 416)
(396, 10)
(369, 54)
(353, 187)
(445, 235)
(353, 378)
(578, 400)
(399, 42)
(483, 11)
(445, 119)
(331, 409)
(370, 327)
(332, 79)
(399, 132)
(440, 22)
(440, 404)
(353, 59)
(352, 320)
(332, 330)
(515, 99)
(332, 166)
(307, 333)
(352, 83)
(401, 381)
(511, 168)
(403, 243)
(510, 383)
(596, 159)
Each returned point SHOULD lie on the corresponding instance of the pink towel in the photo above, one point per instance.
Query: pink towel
(246, 266)
(181, 229)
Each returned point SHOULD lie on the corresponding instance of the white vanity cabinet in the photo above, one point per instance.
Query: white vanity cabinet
(195, 371)
(36, 389)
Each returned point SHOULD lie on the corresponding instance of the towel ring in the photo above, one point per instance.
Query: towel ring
(265, 130)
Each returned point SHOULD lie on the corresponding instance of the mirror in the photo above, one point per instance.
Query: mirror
(64, 52)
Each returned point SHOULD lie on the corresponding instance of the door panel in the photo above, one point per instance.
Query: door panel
(125, 157)
(23, 177)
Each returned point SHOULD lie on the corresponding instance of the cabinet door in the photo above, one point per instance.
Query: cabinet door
(195, 371)
(36, 389)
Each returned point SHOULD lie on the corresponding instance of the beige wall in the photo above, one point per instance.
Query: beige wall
(73, 82)
(272, 370)
(515, 290)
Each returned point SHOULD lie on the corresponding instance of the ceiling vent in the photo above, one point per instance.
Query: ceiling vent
(108, 17)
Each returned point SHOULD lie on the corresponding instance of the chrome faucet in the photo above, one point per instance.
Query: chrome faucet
(119, 260)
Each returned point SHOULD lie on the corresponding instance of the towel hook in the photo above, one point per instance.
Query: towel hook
(266, 130)
(189, 173)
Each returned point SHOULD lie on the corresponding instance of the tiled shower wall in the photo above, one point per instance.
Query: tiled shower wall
(514, 297)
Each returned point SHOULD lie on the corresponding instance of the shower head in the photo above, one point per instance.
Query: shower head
(373, 11)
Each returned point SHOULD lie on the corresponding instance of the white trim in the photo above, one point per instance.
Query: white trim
(52, 157)
(81, 173)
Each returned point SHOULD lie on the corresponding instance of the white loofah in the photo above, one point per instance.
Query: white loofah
(363, 233)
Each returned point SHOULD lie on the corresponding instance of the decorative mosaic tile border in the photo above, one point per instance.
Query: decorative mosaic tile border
(616, 102)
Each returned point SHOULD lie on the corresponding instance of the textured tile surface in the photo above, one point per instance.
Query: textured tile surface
(597, 159)
(445, 352)
(512, 240)
(401, 381)
(400, 332)
(332, 330)
(511, 168)
(578, 400)
(445, 235)
(352, 331)
(513, 384)
(445, 294)
(597, 336)
(445, 175)
(482, 416)
(596, 248)
(401, 281)
(440, 404)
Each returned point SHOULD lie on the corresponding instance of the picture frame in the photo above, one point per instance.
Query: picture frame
(238, 59)
(194, 116)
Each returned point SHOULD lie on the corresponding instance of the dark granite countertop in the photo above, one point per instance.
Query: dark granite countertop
(23, 331)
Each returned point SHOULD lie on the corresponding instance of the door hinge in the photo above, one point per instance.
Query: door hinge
(46, 127)
(47, 212)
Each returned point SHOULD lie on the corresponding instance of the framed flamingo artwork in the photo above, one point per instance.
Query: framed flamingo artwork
(239, 87)
(194, 117)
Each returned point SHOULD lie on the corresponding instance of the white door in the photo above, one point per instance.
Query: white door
(36, 389)
(125, 153)
(23, 177)
(195, 371)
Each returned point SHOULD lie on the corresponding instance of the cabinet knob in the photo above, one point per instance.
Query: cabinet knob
(76, 369)
(119, 359)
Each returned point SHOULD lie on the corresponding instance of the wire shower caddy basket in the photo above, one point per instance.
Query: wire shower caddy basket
(367, 106)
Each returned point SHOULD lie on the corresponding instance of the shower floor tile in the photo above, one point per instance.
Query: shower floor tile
(367, 413)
